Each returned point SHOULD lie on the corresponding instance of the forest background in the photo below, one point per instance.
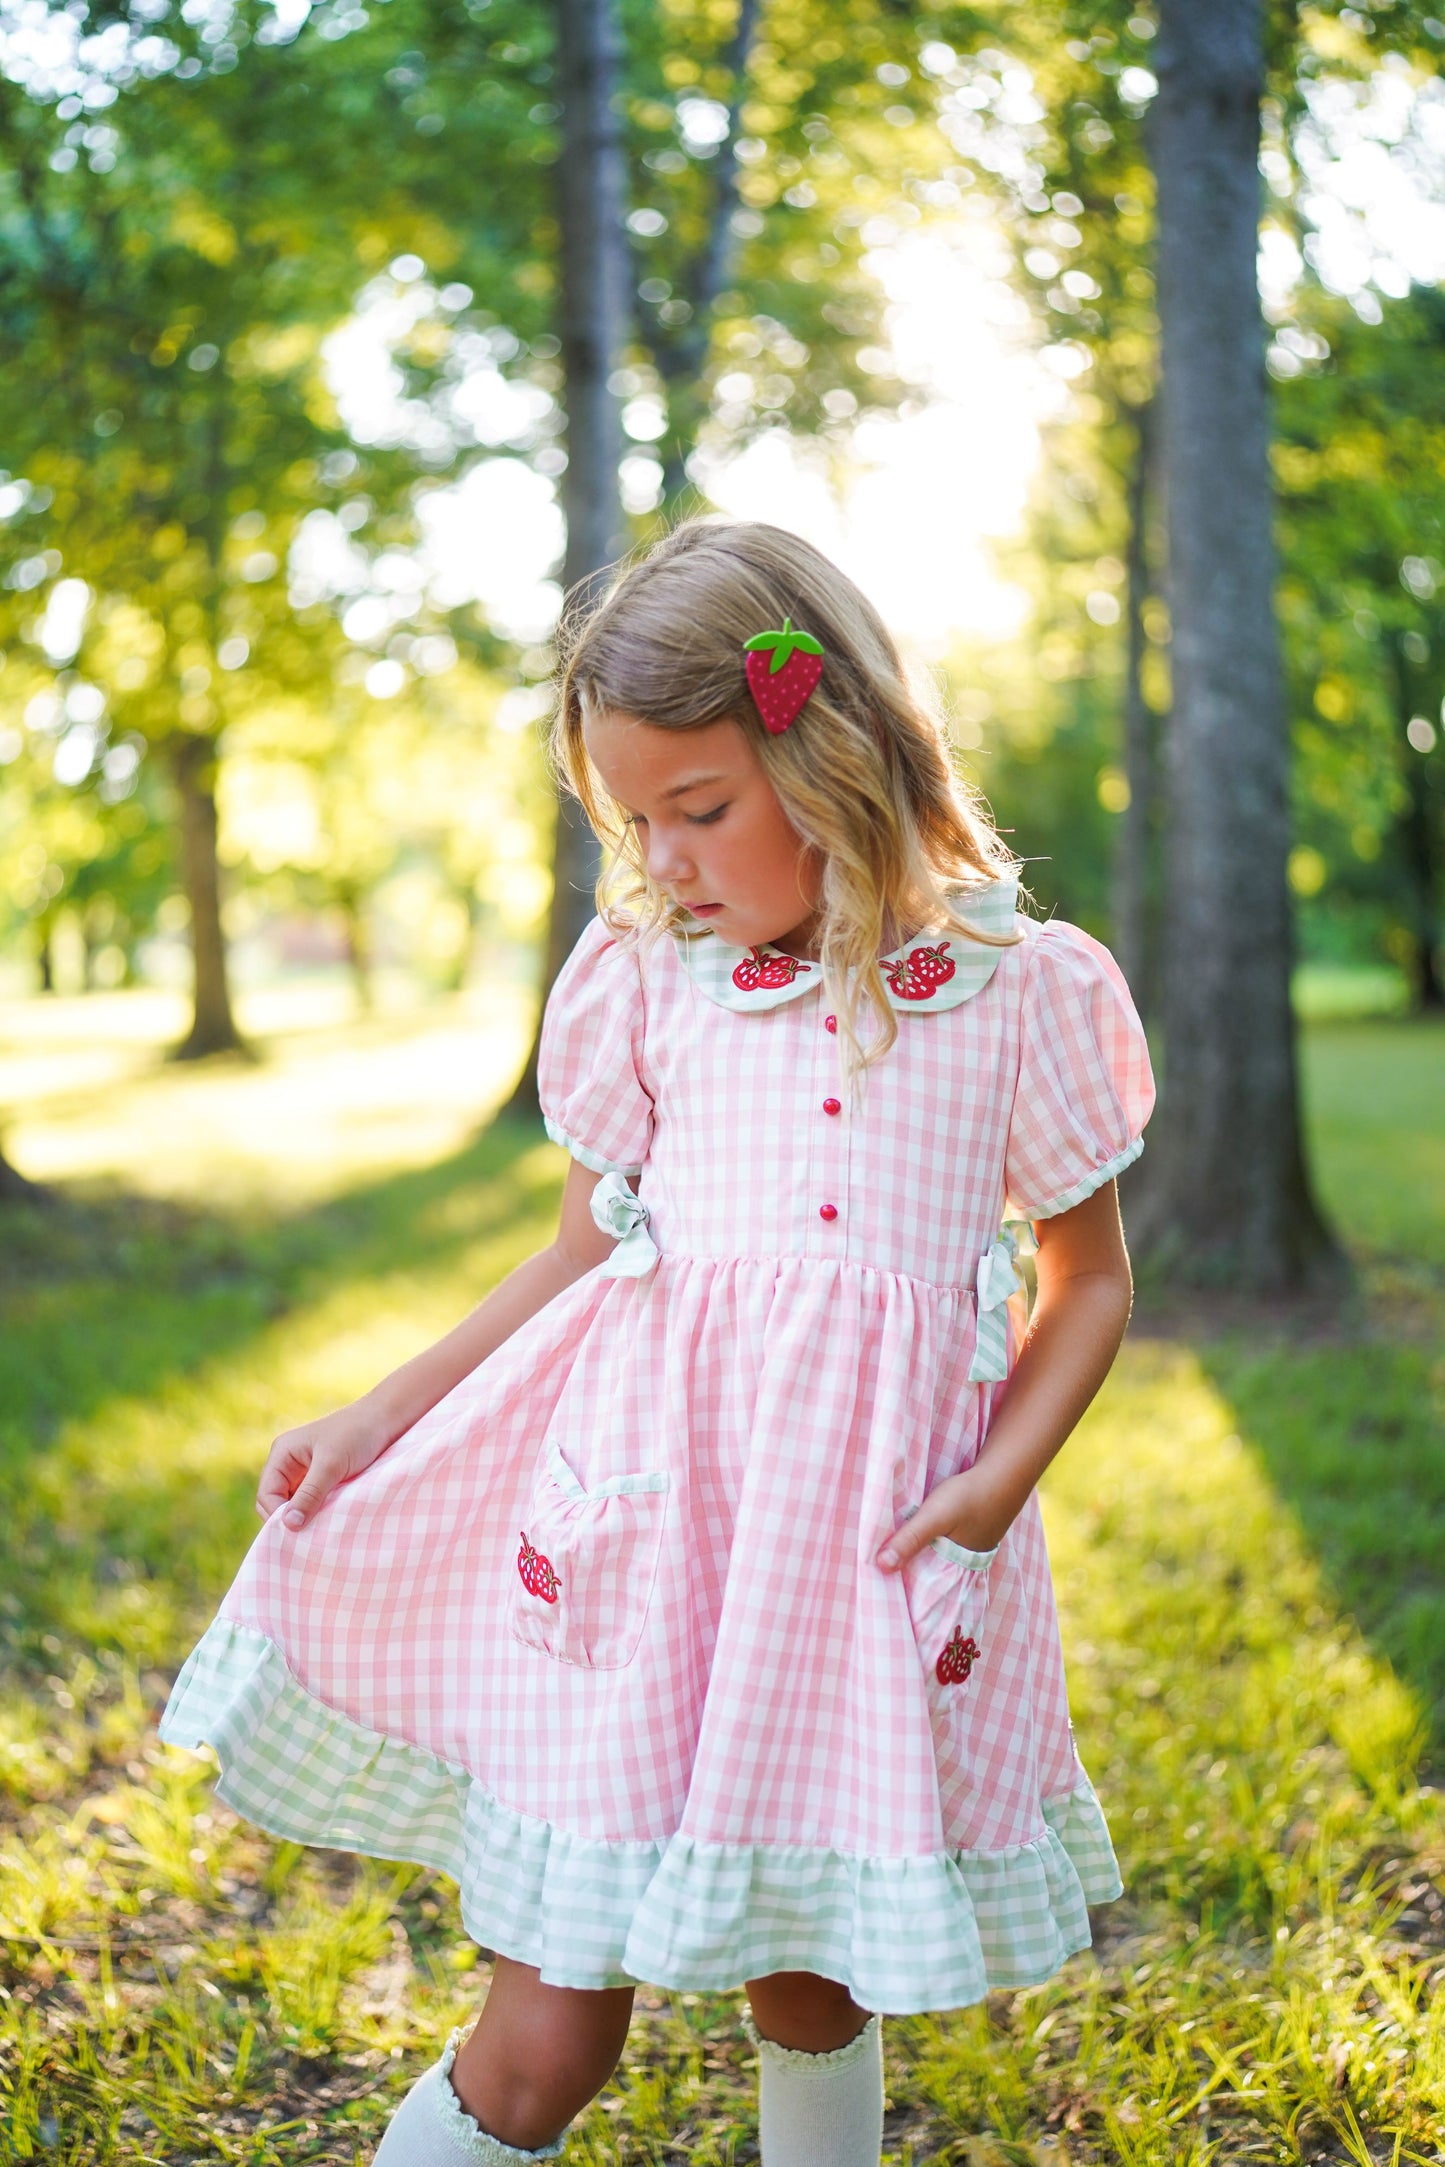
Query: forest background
(282, 423)
(330, 352)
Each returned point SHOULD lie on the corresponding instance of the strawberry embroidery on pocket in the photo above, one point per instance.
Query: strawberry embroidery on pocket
(918, 974)
(757, 970)
(957, 1659)
(538, 1578)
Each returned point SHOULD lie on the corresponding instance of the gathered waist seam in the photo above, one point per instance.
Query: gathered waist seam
(830, 1264)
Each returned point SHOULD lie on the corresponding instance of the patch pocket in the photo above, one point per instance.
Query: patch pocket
(586, 1563)
(947, 1592)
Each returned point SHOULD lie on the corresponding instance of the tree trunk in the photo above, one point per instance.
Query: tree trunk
(358, 947)
(592, 198)
(15, 1189)
(680, 356)
(1228, 1199)
(45, 952)
(213, 1028)
(1419, 850)
(1134, 868)
(1422, 857)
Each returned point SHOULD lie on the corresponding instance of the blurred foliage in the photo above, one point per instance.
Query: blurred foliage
(180, 231)
(1361, 467)
(1360, 461)
(193, 544)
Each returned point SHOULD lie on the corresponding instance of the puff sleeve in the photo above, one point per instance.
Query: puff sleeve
(1085, 1087)
(589, 1061)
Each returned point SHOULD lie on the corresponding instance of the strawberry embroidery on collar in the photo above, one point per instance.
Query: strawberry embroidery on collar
(917, 974)
(774, 969)
(920, 978)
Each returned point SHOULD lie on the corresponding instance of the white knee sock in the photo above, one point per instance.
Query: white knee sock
(821, 2110)
(431, 2128)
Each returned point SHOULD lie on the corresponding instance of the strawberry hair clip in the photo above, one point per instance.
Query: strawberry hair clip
(783, 669)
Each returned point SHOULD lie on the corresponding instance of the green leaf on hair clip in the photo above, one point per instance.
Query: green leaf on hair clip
(783, 644)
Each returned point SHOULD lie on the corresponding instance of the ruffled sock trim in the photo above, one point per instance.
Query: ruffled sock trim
(465, 2131)
(826, 2064)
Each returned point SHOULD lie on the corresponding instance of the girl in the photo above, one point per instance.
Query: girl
(688, 1603)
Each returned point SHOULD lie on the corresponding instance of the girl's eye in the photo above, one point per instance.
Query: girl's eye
(705, 820)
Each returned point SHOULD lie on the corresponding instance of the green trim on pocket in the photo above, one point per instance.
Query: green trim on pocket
(638, 1485)
(980, 1560)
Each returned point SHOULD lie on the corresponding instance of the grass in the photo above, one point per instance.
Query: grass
(1377, 1119)
(1246, 1534)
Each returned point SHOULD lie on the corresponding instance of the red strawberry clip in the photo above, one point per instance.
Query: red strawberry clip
(783, 669)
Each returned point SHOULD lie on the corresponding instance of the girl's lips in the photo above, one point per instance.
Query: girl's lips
(705, 910)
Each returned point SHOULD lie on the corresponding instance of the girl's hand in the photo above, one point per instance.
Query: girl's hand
(304, 1465)
(1073, 1336)
(964, 1507)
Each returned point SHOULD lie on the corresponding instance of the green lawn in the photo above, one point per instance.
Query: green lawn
(1377, 1118)
(1247, 1531)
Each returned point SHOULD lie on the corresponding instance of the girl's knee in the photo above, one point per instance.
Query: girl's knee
(537, 2055)
(799, 2009)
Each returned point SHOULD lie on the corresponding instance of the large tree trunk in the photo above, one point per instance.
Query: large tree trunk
(1228, 1200)
(592, 199)
(213, 1028)
(1134, 910)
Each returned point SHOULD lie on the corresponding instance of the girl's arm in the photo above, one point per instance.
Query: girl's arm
(304, 1464)
(1084, 1296)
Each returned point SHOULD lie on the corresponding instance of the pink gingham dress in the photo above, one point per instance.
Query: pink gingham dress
(603, 1637)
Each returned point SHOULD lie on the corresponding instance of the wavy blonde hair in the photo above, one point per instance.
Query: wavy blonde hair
(864, 773)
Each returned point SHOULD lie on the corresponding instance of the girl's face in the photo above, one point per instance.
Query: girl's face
(712, 831)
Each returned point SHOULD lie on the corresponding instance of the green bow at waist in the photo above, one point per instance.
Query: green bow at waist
(994, 1281)
(624, 1216)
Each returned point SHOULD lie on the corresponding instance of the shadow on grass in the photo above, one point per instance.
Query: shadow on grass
(1350, 1434)
(109, 1301)
(1342, 1399)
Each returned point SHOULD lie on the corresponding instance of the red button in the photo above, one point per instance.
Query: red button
(827, 1211)
(832, 1106)
(830, 1023)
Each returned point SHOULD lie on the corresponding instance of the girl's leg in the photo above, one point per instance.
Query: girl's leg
(505, 2095)
(538, 2054)
(820, 2064)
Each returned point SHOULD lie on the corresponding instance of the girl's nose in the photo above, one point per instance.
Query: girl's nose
(668, 858)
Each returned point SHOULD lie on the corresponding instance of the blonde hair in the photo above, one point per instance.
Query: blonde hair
(864, 773)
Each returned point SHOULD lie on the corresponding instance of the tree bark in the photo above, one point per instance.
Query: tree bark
(594, 315)
(45, 954)
(1228, 1200)
(213, 1028)
(681, 355)
(15, 1189)
(1422, 857)
(359, 956)
(1134, 912)
(1419, 850)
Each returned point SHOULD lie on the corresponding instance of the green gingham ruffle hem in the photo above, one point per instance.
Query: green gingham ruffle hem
(905, 1935)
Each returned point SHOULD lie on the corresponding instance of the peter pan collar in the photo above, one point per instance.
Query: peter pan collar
(925, 974)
